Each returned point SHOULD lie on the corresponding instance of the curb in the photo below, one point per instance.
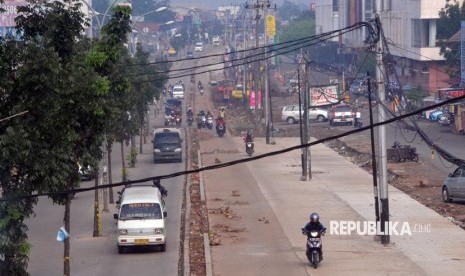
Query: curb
(206, 239)
(186, 257)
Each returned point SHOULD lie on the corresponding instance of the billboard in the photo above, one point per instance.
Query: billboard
(324, 95)
(252, 99)
(7, 18)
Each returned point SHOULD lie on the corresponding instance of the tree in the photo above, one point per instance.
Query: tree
(45, 74)
(298, 29)
(448, 24)
(289, 10)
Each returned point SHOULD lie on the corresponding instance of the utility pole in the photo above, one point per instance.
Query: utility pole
(302, 159)
(373, 152)
(304, 120)
(257, 63)
(267, 86)
(307, 117)
(105, 179)
(380, 73)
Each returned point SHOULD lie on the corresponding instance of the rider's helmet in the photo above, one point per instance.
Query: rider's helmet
(314, 218)
(249, 133)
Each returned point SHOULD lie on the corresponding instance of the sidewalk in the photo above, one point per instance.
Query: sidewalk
(338, 191)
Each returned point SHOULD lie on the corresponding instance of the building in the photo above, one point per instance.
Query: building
(410, 29)
(7, 18)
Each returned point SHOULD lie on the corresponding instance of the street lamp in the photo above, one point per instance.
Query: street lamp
(132, 47)
(147, 13)
(95, 13)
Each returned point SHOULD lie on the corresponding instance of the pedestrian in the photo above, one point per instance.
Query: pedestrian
(358, 116)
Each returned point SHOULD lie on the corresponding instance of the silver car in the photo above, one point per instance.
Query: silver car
(454, 185)
(290, 114)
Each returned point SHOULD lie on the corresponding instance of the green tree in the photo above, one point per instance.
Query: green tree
(448, 24)
(289, 10)
(296, 30)
(45, 74)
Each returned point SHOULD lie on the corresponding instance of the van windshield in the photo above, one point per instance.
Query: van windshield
(167, 138)
(140, 211)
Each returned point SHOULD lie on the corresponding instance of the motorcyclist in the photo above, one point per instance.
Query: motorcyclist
(249, 138)
(201, 113)
(222, 112)
(199, 84)
(209, 115)
(163, 190)
(220, 121)
(189, 112)
(315, 225)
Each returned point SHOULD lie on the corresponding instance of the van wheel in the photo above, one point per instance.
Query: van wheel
(120, 249)
(163, 247)
(445, 195)
(290, 120)
(320, 118)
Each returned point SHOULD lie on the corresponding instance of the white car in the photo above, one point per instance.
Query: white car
(198, 47)
(290, 114)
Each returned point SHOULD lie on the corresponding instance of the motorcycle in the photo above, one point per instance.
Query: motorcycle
(249, 148)
(190, 119)
(204, 121)
(444, 120)
(169, 121)
(210, 122)
(178, 120)
(200, 87)
(220, 130)
(314, 251)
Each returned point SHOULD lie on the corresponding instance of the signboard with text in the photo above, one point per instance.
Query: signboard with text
(7, 18)
(324, 95)
(252, 99)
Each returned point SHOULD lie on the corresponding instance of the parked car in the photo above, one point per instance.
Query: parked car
(341, 114)
(290, 114)
(190, 54)
(434, 116)
(454, 185)
(198, 47)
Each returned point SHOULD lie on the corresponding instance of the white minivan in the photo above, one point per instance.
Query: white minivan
(141, 218)
(178, 91)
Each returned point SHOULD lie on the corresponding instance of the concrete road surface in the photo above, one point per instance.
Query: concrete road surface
(99, 256)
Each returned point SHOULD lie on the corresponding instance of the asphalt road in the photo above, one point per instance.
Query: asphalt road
(99, 256)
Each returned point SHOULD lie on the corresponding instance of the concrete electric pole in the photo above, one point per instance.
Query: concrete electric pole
(383, 188)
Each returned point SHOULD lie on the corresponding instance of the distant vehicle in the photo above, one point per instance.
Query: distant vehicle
(167, 145)
(434, 116)
(85, 173)
(141, 218)
(341, 114)
(178, 91)
(216, 41)
(290, 114)
(198, 47)
(454, 185)
(359, 87)
(190, 54)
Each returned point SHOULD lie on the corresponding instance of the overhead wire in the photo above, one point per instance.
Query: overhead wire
(441, 151)
(235, 162)
(277, 53)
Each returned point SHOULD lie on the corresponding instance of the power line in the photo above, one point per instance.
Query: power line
(235, 65)
(244, 160)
